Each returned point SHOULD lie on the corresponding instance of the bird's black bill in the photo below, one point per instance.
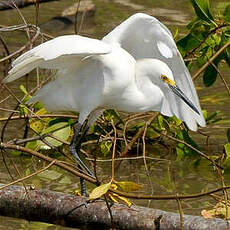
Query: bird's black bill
(180, 94)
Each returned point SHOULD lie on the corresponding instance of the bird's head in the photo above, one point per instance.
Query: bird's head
(169, 82)
(162, 76)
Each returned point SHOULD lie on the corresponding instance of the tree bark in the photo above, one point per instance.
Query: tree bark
(73, 211)
(6, 5)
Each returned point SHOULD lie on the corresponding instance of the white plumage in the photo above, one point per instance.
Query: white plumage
(124, 70)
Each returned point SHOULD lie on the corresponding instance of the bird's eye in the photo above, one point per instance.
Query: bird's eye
(164, 78)
(167, 80)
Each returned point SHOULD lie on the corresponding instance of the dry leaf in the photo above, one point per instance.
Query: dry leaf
(129, 186)
(99, 191)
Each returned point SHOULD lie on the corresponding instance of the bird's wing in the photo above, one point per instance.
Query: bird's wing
(58, 53)
(143, 36)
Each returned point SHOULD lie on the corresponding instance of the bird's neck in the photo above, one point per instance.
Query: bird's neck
(152, 94)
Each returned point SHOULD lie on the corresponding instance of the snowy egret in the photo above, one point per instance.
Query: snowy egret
(135, 68)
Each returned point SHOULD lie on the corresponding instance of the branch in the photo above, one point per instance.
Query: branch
(73, 211)
(40, 116)
(48, 159)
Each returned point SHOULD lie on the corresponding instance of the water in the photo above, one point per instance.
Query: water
(167, 174)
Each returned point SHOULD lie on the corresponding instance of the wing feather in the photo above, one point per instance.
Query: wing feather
(58, 53)
(143, 36)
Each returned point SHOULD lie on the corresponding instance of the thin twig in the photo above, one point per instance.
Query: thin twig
(222, 78)
(193, 148)
(75, 18)
(27, 177)
(32, 40)
(128, 158)
(93, 180)
(205, 39)
(210, 60)
(114, 151)
(133, 141)
(148, 123)
(181, 214)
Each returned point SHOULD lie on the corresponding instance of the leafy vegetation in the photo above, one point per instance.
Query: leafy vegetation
(207, 34)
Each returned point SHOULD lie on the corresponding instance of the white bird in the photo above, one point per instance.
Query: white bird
(135, 68)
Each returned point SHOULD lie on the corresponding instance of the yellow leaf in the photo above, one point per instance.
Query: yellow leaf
(113, 186)
(99, 191)
(37, 126)
(112, 198)
(121, 198)
(207, 214)
(77, 192)
(218, 211)
(129, 186)
(41, 111)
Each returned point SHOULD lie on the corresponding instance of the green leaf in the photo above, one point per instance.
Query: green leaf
(50, 175)
(227, 164)
(212, 116)
(210, 75)
(160, 121)
(112, 115)
(228, 134)
(199, 28)
(16, 153)
(227, 149)
(179, 134)
(23, 89)
(23, 109)
(177, 121)
(224, 39)
(176, 33)
(151, 133)
(179, 152)
(38, 105)
(189, 140)
(106, 147)
(227, 55)
(206, 54)
(59, 120)
(31, 145)
(227, 13)
(187, 43)
(99, 191)
(205, 113)
(216, 39)
(202, 9)
(61, 133)
(192, 23)
(55, 127)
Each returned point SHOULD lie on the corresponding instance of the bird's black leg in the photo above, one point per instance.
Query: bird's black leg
(74, 149)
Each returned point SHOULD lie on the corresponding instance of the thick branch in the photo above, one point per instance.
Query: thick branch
(70, 210)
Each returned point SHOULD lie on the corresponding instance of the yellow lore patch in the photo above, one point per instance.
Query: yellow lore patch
(168, 80)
